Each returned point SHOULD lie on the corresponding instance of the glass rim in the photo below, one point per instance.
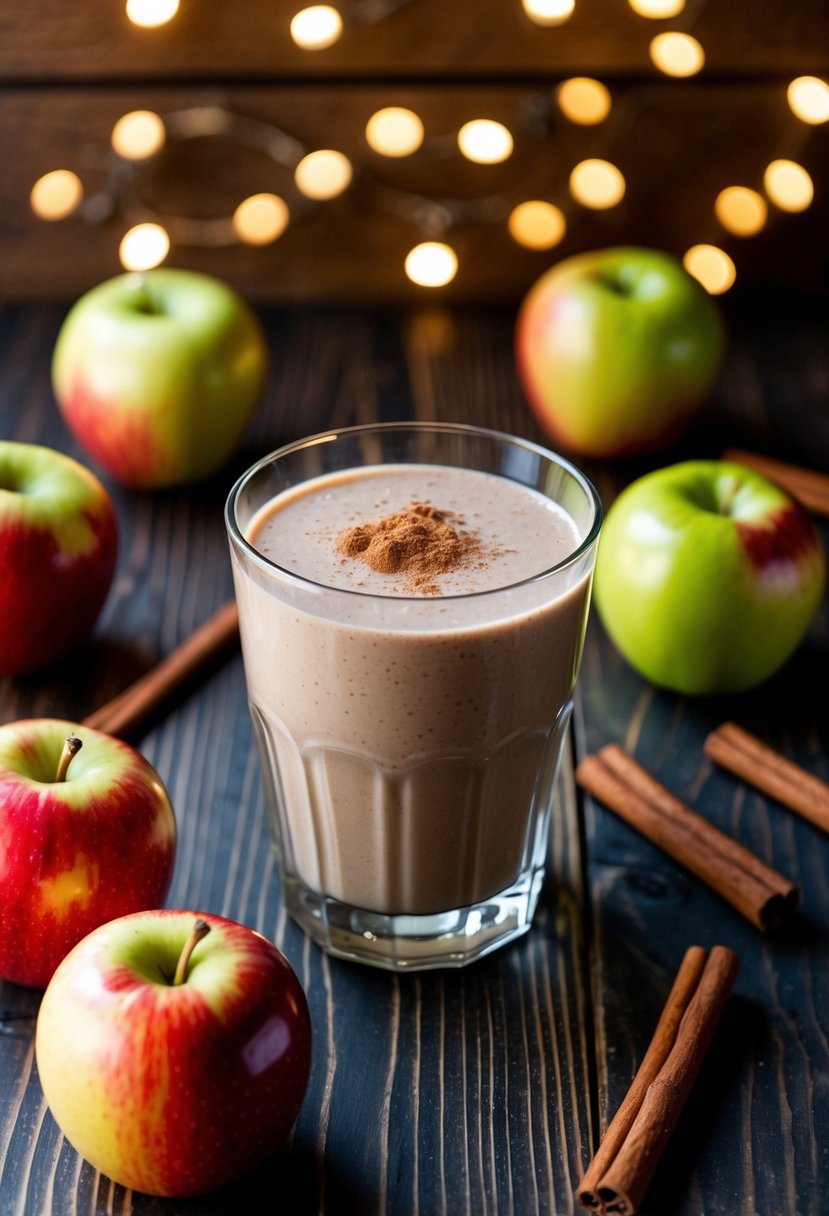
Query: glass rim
(239, 539)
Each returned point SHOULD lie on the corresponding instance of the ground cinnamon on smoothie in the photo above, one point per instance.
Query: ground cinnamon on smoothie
(418, 541)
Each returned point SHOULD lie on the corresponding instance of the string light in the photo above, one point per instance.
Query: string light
(583, 100)
(788, 185)
(431, 264)
(677, 54)
(150, 13)
(808, 97)
(537, 225)
(56, 195)
(657, 9)
(484, 141)
(597, 184)
(138, 135)
(740, 210)
(260, 219)
(143, 247)
(549, 12)
(323, 174)
(316, 27)
(712, 267)
(394, 131)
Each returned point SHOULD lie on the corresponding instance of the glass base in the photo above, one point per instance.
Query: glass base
(414, 943)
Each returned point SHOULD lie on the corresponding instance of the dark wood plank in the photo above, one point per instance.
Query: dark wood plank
(753, 1137)
(442, 1094)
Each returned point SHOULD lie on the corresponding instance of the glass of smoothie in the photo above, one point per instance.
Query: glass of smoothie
(412, 606)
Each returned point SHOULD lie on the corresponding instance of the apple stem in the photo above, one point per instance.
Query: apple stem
(200, 929)
(70, 748)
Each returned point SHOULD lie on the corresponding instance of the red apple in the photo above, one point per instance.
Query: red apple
(58, 546)
(616, 350)
(80, 842)
(158, 374)
(173, 1072)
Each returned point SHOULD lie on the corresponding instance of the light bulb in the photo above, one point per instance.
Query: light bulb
(149, 13)
(537, 225)
(484, 141)
(788, 185)
(740, 210)
(431, 264)
(323, 174)
(56, 194)
(548, 12)
(394, 131)
(657, 9)
(597, 184)
(710, 266)
(138, 135)
(809, 99)
(583, 100)
(316, 27)
(677, 54)
(144, 246)
(260, 219)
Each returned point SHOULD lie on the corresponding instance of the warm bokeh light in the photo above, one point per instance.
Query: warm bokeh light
(56, 194)
(316, 27)
(537, 225)
(657, 9)
(144, 246)
(138, 135)
(260, 219)
(583, 100)
(323, 174)
(809, 99)
(788, 185)
(151, 12)
(548, 12)
(431, 264)
(740, 210)
(484, 141)
(394, 131)
(597, 184)
(677, 54)
(710, 266)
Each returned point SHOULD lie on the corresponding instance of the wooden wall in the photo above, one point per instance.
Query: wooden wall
(69, 71)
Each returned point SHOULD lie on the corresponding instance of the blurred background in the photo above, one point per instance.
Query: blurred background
(304, 154)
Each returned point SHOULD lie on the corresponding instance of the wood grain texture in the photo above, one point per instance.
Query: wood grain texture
(444, 1095)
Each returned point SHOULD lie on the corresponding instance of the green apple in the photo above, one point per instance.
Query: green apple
(157, 374)
(708, 576)
(616, 350)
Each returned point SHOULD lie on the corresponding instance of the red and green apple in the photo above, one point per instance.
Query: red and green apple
(158, 374)
(174, 1050)
(616, 350)
(87, 833)
(58, 550)
(707, 576)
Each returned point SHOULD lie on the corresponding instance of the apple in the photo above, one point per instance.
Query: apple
(707, 576)
(157, 374)
(87, 833)
(58, 549)
(173, 1048)
(616, 350)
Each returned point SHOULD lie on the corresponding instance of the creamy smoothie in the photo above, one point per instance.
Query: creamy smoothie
(408, 716)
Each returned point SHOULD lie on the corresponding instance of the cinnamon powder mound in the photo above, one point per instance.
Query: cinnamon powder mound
(419, 542)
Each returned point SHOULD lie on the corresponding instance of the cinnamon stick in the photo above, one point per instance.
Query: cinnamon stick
(808, 486)
(132, 706)
(618, 1176)
(760, 765)
(756, 890)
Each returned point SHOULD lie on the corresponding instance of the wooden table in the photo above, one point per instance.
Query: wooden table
(480, 1091)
